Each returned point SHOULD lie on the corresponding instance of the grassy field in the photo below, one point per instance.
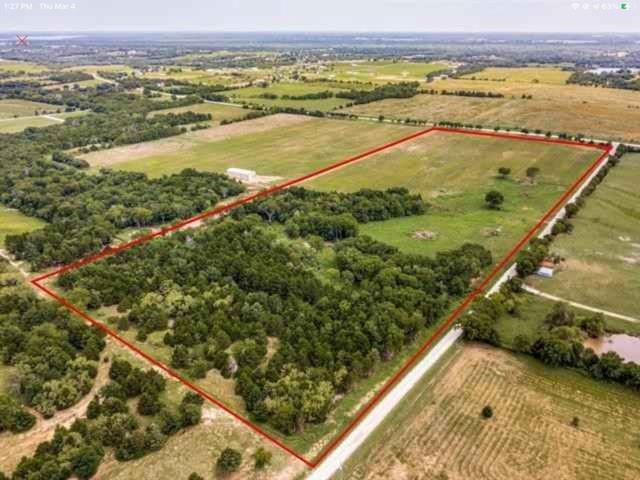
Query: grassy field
(605, 113)
(13, 222)
(602, 266)
(252, 95)
(551, 75)
(284, 146)
(453, 173)
(14, 125)
(10, 108)
(229, 77)
(218, 112)
(437, 431)
(381, 72)
(15, 66)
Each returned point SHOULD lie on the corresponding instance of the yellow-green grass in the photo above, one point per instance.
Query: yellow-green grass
(552, 75)
(10, 108)
(299, 146)
(531, 313)
(381, 71)
(453, 172)
(437, 430)
(115, 68)
(211, 77)
(252, 95)
(218, 112)
(604, 113)
(12, 222)
(14, 125)
(16, 66)
(602, 267)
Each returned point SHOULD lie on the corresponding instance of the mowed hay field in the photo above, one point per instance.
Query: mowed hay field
(437, 431)
(550, 75)
(218, 112)
(280, 145)
(604, 113)
(602, 254)
(12, 222)
(381, 72)
(453, 172)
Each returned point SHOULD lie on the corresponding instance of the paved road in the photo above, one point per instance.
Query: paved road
(359, 434)
(582, 306)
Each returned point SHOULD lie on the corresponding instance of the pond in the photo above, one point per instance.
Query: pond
(626, 346)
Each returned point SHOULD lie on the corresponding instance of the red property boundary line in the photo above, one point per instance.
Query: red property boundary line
(442, 329)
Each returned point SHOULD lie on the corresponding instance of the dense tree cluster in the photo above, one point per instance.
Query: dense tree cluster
(69, 76)
(77, 451)
(624, 79)
(54, 353)
(389, 90)
(464, 93)
(67, 159)
(13, 417)
(85, 211)
(222, 291)
(333, 215)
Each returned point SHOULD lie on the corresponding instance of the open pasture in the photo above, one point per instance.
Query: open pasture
(17, 67)
(11, 108)
(12, 222)
(14, 125)
(278, 145)
(602, 254)
(453, 172)
(604, 113)
(437, 431)
(381, 71)
(550, 75)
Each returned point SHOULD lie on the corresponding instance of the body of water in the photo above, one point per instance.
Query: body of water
(626, 346)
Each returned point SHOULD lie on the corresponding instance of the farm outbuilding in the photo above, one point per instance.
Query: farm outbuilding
(242, 174)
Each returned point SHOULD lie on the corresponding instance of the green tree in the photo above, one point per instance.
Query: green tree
(494, 199)
(504, 172)
(228, 461)
(262, 458)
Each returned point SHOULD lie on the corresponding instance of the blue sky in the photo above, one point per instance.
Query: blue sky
(325, 15)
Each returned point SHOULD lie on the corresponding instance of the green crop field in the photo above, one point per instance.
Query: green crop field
(604, 113)
(550, 75)
(283, 146)
(218, 112)
(13, 222)
(437, 430)
(602, 254)
(10, 108)
(453, 173)
(380, 72)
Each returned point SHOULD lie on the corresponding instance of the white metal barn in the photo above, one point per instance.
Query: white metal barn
(242, 174)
